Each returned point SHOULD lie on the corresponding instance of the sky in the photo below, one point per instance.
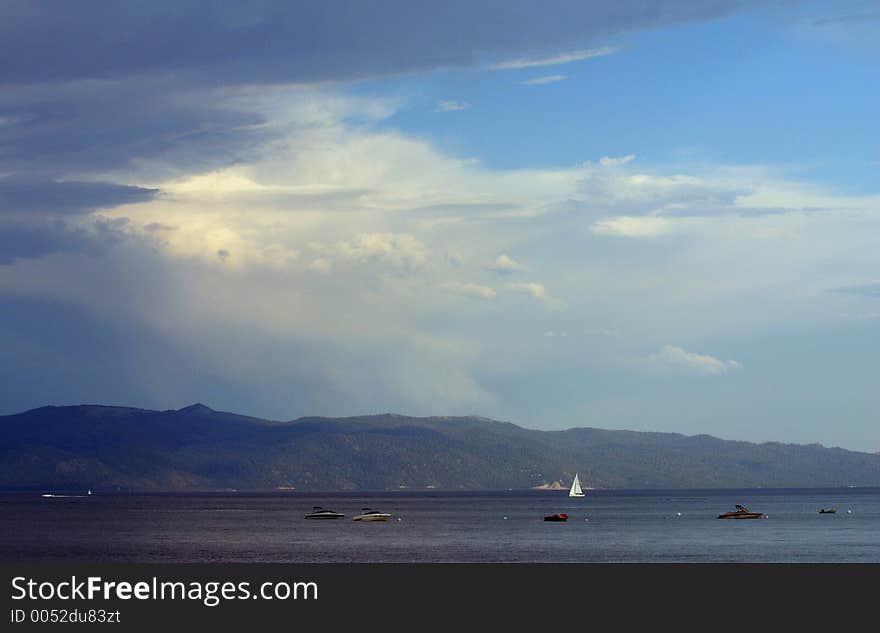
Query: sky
(645, 215)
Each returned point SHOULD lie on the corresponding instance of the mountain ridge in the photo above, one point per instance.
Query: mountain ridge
(196, 447)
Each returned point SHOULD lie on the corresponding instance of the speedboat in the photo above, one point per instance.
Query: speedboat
(559, 516)
(320, 513)
(371, 515)
(828, 511)
(50, 495)
(741, 512)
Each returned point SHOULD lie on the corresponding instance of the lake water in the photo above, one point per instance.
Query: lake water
(505, 526)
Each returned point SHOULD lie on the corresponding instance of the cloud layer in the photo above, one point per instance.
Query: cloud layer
(219, 214)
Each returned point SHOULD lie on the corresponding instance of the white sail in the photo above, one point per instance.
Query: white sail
(576, 488)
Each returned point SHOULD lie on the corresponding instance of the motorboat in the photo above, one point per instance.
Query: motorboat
(559, 516)
(320, 513)
(371, 515)
(50, 495)
(828, 511)
(741, 512)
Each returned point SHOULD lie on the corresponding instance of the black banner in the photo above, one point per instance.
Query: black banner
(122, 597)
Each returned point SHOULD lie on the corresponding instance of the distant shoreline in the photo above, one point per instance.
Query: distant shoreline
(430, 491)
(199, 449)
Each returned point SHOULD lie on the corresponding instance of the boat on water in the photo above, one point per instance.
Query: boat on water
(371, 515)
(320, 513)
(559, 516)
(576, 488)
(741, 512)
(828, 511)
(49, 495)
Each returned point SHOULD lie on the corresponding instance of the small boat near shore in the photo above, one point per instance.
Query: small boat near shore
(827, 510)
(50, 495)
(320, 513)
(741, 512)
(559, 516)
(371, 515)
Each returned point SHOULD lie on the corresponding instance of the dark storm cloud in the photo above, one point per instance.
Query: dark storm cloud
(99, 85)
(80, 357)
(34, 216)
(55, 351)
(101, 125)
(262, 41)
(22, 196)
(27, 240)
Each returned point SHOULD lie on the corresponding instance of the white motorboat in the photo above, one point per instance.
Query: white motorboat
(49, 495)
(371, 515)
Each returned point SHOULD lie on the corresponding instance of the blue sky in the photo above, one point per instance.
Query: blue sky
(656, 216)
(727, 90)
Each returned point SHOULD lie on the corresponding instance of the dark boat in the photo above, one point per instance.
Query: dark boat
(559, 516)
(828, 511)
(741, 512)
(320, 513)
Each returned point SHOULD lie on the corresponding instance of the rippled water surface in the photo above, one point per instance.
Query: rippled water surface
(507, 526)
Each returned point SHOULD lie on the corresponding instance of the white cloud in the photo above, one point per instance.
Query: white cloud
(613, 188)
(553, 60)
(627, 226)
(537, 291)
(504, 265)
(540, 81)
(678, 358)
(324, 209)
(399, 250)
(323, 265)
(321, 225)
(452, 106)
(278, 256)
(609, 161)
(469, 289)
(454, 259)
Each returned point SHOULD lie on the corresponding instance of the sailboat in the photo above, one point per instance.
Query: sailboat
(576, 488)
